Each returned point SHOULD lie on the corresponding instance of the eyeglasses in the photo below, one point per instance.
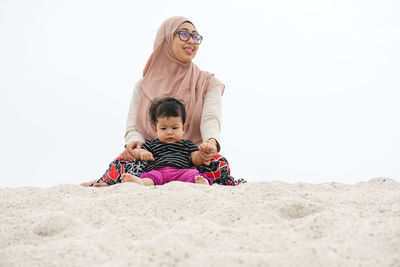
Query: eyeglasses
(185, 36)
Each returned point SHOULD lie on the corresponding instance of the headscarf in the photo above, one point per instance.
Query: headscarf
(165, 76)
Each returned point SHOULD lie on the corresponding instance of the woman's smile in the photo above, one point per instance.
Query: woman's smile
(188, 50)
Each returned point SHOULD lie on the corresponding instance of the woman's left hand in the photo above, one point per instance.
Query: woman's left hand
(208, 149)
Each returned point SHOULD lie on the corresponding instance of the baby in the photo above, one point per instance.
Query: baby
(171, 157)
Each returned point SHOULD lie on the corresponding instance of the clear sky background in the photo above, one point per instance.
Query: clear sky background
(312, 87)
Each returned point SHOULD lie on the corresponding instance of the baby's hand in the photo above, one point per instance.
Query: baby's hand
(146, 155)
(207, 151)
(208, 147)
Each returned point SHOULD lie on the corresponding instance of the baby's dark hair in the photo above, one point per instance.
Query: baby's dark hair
(167, 107)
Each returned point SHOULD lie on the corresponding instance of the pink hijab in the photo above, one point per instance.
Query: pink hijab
(165, 76)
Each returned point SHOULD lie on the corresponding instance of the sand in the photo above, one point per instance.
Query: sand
(182, 224)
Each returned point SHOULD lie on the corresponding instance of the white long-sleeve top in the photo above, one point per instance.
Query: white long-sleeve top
(210, 123)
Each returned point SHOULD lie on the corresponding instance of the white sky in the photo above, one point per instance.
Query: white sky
(312, 87)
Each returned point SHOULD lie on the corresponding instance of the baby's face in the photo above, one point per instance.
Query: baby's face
(169, 129)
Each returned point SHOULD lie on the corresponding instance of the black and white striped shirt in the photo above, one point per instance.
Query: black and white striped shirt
(170, 155)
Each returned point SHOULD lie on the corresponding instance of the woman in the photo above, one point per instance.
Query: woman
(171, 72)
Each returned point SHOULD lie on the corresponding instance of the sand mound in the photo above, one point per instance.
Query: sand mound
(181, 224)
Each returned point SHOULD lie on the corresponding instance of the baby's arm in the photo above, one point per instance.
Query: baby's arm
(143, 154)
(199, 157)
(197, 160)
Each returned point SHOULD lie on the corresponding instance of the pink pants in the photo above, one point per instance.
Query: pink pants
(168, 174)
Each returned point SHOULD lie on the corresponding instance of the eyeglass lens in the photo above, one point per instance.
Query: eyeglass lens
(185, 36)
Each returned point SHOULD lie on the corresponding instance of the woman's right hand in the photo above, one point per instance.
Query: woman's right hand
(128, 153)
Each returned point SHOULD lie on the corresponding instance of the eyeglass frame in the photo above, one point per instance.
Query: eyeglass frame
(190, 35)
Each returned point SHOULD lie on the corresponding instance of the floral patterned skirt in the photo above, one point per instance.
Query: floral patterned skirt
(218, 170)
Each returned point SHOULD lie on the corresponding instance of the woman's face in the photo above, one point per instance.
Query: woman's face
(185, 51)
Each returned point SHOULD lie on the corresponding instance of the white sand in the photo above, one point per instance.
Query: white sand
(181, 224)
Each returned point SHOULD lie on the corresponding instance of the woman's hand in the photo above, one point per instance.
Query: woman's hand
(128, 153)
(208, 150)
